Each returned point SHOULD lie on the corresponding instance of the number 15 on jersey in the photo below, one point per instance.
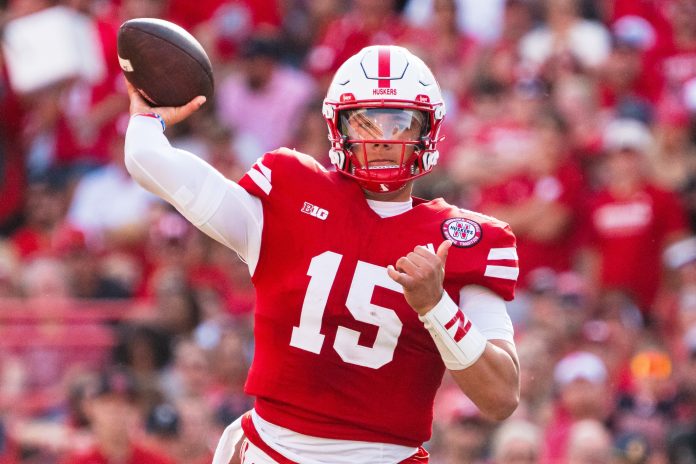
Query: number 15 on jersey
(307, 336)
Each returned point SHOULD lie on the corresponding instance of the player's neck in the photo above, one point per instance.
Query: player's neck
(401, 195)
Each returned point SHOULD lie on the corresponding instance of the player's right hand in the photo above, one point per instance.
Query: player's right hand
(421, 273)
(170, 114)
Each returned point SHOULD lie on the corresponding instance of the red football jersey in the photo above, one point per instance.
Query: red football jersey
(339, 353)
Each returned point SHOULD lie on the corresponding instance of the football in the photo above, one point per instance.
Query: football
(164, 62)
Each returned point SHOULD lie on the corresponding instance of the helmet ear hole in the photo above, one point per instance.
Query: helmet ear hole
(424, 142)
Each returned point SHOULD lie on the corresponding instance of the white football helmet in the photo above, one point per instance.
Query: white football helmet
(384, 96)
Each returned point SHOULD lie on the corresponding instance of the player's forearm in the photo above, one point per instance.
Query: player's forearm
(150, 159)
(486, 370)
(492, 382)
(214, 204)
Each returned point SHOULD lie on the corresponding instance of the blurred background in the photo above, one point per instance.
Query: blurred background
(126, 332)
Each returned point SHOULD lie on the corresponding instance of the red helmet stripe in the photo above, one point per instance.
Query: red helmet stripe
(384, 67)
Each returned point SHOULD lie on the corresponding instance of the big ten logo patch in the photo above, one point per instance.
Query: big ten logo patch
(312, 210)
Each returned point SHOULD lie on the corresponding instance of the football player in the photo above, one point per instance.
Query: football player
(365, 294)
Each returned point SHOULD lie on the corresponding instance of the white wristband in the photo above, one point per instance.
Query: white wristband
(459, 341)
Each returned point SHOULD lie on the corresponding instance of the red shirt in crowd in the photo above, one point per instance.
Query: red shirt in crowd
(629, 235)
(12, 176)
(348, 35)
(139, 455)
(565, 188)
(29, 242)
(246, 14)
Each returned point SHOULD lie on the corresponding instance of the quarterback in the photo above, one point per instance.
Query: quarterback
(365, 294)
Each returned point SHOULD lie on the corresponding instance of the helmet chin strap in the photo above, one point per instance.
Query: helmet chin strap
(402, 192)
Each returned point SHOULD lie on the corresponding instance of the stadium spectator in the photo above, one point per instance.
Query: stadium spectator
(479, 20)
(501, 58)
(464, 439)
(196, 442)
(669, 65)
(516, 442)
(564, 40)
(681, 437)
(262, 83)
(628, 213)
(583, 393)
(493, 137)
(367, 22)
(621, 86)
(44, 278)
(648, 403)
(589, 443)
(115, 420)
(541, 202)
(230, 362)
(44, 227)
(676, 306)
(144, 350)
(120, 225)
(536, 387)
(12, 162)
(9, 270)
(86, 278)
(190, 373)
(452, 55)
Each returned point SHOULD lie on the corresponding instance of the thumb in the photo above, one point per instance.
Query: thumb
(182, 112)
(193, 105)
(443, 250)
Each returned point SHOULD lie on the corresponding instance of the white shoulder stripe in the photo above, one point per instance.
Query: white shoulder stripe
(502, 272)
(502, 253)
(259, 179)
(265, 170)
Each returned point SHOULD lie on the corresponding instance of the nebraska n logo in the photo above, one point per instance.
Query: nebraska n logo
(461, 325)
(383, 65)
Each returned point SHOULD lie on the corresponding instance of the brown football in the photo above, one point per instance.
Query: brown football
(164, 62)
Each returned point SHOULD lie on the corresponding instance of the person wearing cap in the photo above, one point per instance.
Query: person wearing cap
(629, 220)
(583, 393)
(111, 407)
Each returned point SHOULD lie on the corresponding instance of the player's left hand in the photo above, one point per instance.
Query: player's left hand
(421, 274)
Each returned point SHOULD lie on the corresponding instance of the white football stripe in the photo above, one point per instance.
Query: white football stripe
(502, 253)
(502, 272)
(266, 171)
(260, 180)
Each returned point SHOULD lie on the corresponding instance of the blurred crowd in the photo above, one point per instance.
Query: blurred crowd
(126, 332)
